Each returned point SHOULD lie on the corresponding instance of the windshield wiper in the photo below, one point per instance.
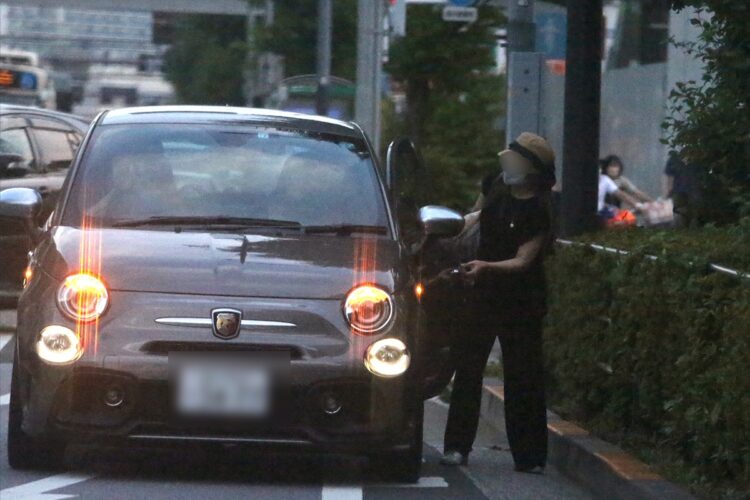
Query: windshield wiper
(344, 229)
(220, 220)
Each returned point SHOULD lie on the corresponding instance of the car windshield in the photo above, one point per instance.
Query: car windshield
(159, 175)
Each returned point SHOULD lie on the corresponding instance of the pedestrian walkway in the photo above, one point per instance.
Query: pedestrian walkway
(491, 465)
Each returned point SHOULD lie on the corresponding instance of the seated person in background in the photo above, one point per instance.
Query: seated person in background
(607, 187)
(613, 168)
(141, 185)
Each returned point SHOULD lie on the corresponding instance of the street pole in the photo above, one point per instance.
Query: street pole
(581, 128)
(524, 72)
(325, 25)
(369, 58)
(521, 28)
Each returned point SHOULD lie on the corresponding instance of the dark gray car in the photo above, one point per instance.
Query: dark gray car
(36, 148)
(227, 275)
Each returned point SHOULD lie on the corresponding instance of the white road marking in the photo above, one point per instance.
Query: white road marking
(427, 482)
(38, 489)
(5, 399)
(341, 493)
(355, 492)
(424, 482)
(4, 339)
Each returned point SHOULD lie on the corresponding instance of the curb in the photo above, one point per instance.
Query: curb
(604, 469)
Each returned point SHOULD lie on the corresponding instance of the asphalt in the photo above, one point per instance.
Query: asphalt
(234, 473)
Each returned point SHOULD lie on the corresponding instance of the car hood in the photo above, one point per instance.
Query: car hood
(251, 265)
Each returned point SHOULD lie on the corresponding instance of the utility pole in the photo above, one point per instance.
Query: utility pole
(524, 71)
(521, 28)
(325, 26)
(369, 71)
(582, 104)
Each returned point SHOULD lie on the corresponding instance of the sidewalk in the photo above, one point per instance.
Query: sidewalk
(491, 465)
(604, 469)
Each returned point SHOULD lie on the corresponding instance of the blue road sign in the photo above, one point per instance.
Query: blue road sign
(551, 34)
(462, 3)
(27, 81)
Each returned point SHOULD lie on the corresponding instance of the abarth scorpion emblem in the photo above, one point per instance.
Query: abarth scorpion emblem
(226, 323)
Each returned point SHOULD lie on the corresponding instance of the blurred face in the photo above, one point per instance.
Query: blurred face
(124, 173)
(129, 172)
(614, 169)
(515, 169)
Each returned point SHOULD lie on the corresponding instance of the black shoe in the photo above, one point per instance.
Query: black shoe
(529, 468)
(454, 458)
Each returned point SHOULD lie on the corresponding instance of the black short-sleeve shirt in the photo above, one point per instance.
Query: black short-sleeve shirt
(506, 223)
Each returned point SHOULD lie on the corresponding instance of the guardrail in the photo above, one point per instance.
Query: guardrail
(601, 248)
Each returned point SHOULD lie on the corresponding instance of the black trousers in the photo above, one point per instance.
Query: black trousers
(523, 372)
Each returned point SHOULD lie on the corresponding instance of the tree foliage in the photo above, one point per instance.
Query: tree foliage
(454, 101)
(709, 120)
(293, 35)
(206, 60)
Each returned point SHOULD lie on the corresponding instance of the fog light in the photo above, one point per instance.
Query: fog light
(114, 396)
(58, 345)
(387, 358)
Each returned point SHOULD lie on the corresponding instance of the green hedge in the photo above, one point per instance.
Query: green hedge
(655, 354)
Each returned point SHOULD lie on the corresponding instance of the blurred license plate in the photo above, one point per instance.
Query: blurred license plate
(222, 388)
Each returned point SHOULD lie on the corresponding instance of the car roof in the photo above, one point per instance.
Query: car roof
(230, 115)
(76, 121)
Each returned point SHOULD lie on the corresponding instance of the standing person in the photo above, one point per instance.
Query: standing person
(682, 185)
(507, 301)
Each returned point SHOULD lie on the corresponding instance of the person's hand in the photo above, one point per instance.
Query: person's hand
(473, 269)
(446, 274)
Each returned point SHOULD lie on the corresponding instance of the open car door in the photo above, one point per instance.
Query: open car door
(409, 189)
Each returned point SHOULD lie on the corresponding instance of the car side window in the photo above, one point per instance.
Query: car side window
(16, 140)
(74, 138)
(55, 148)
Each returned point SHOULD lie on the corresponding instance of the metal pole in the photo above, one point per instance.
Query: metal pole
(524, 71)
(521, 28)
(581, 129)
(369, 70)
(325, 25)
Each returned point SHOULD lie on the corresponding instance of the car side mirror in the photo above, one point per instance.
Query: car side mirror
(7, 168)
(440, 221)
(23, 205)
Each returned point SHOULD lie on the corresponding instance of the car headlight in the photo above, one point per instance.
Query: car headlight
(82, 297)
(58, 345)
(387, 358)
(368, 309)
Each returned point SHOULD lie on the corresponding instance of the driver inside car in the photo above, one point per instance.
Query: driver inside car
(141, 184)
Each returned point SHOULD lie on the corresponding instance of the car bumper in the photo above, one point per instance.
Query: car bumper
(68, 402)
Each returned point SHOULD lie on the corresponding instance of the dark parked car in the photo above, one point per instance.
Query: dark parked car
(36, 148)
(227, 275)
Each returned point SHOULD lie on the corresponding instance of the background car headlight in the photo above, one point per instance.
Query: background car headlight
(58, 345)
(82, 297)
(387, 358)
(368, 309)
